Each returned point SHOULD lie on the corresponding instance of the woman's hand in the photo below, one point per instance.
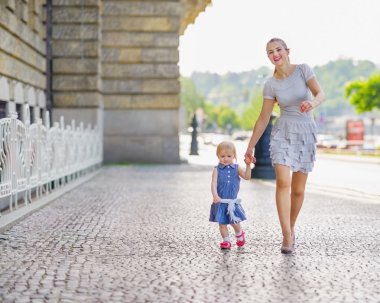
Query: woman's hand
(306, 106)
(248, 157)
(249, 160)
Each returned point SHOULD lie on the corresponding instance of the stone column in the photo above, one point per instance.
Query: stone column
(140, 80)
(76, 51)
(123, 53)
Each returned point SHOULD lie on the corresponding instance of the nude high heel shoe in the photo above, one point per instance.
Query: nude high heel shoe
(287, 249)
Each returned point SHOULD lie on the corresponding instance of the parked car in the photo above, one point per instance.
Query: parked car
(330, 141)
(241, 135)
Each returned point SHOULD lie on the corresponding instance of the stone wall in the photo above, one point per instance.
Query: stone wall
(140, 77)
(76, 39)
(22, 57)
(140, 80)
(118, 54)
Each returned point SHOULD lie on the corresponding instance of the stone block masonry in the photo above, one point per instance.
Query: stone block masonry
(118, 54)
(23, 58)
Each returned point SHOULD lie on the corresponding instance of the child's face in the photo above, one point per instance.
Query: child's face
(226, 156)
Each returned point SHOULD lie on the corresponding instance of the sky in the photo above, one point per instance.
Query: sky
(231, 35)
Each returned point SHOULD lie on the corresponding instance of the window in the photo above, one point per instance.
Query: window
(19, 111)
(3, 109)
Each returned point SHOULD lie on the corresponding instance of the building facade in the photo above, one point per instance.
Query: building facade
(110, 62)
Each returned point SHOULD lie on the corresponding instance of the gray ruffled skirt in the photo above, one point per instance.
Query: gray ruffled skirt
(293, 143)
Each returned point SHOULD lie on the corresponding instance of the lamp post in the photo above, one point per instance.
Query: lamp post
(194, 133)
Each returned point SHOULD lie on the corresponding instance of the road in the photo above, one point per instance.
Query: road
(346, 175)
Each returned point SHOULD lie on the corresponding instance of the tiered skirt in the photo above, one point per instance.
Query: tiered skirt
(293, 143)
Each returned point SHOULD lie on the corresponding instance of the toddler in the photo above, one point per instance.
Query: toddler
(226, 208)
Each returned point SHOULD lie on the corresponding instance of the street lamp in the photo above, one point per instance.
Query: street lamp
(194, 133)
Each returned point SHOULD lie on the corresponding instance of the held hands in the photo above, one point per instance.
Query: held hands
(248, 160)
(249, 157)
(306, 106)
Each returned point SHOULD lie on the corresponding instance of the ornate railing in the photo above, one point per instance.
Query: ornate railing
(37, 158)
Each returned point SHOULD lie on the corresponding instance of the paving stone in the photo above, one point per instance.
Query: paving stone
(141, 234)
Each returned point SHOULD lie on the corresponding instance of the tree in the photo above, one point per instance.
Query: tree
(190, 97)
(364, 95)
(252, 113)
(221, 116)
(227, 118)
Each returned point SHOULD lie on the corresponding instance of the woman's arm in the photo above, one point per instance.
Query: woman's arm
(214, 180)
(260, 126)
(318, 93)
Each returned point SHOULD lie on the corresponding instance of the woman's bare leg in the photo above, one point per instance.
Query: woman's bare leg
(283, 201)
(297, 196)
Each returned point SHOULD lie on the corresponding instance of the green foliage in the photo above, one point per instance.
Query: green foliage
(222, 116)
(364, 95)
(333, 77)
(211, 115)
(251, 114)
(236, 98)
(227, 117)
(236, 89)
(191, 99)
(233, 89)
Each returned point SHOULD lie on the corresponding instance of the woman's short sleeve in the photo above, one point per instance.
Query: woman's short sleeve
(307, 71)
(268, 92)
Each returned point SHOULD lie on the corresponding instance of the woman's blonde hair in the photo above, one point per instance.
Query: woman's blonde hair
(226, 145)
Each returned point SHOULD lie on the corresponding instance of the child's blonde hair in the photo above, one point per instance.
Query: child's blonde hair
(226, 145)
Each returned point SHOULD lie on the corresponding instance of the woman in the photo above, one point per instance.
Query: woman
(293, 137)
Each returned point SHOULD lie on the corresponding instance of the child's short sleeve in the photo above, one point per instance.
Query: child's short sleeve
(268, 92)
(307, 71)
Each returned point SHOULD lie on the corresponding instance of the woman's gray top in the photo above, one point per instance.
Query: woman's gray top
(293, 136)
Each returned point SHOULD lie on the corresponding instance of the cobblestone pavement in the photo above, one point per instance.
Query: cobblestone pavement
(141, 234)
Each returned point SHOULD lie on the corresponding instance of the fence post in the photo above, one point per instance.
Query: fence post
(13, 156)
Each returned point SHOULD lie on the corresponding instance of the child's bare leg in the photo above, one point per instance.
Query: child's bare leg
(237, 228)
(223, 230)
(238, 234)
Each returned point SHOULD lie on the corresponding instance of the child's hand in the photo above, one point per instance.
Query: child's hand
(216, 199)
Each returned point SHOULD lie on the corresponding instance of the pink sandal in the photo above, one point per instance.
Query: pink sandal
(225, 245)
(241, 243)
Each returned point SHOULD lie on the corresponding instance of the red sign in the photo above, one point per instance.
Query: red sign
(355, 130)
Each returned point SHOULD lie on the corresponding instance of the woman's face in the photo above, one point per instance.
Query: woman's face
(277, 53)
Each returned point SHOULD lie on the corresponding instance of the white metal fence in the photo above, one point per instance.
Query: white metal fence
(36, 158)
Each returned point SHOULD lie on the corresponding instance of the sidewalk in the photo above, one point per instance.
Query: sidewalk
(141, 234)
